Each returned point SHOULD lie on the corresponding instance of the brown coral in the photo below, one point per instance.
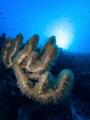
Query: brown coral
(32, 69)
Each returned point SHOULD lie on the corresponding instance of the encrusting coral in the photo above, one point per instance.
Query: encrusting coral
(32, 66)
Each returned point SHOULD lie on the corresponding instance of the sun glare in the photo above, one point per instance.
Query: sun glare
(63, 30)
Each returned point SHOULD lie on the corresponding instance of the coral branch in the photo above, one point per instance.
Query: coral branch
(9, 50)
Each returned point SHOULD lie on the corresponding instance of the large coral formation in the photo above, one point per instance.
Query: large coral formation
(32, 67)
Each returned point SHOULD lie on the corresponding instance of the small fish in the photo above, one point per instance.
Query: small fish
(13, 29)
(3, 18)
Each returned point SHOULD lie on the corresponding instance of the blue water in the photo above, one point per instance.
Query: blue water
(68, 20)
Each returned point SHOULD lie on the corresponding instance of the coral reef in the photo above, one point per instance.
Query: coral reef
(14, 105)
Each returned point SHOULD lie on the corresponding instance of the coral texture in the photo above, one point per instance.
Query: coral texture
(32, 67)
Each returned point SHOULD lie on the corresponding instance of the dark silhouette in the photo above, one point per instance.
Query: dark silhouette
(2, 38)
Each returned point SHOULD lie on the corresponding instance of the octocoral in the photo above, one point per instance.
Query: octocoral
(32, 69)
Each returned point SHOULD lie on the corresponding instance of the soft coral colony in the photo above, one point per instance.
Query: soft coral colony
(31, 66)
